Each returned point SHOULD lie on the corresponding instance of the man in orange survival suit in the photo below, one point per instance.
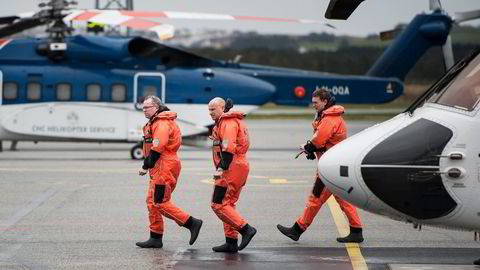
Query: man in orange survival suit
(162, 139)
(328, 130)
(230, 146)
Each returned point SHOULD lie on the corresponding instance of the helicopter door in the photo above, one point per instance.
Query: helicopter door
(146, 84)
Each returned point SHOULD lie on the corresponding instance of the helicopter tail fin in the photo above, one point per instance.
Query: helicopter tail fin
(422, 33)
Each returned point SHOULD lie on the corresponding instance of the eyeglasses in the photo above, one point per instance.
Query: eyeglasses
(148, 107)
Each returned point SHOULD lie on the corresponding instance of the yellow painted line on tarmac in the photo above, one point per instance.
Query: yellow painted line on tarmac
(277, 181)
(208, 181)
(353, 249)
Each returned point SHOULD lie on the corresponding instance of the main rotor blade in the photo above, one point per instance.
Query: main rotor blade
(448, 53)
(341, 9)
(8, 19)
(19, 26)
(163, 31)
(466, 16)
(435, 4)
(90, 14)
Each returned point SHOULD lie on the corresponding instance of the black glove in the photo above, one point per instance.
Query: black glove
(310, 147)
(311, 156)
(149, 162)
(310, 150)
(226, 159)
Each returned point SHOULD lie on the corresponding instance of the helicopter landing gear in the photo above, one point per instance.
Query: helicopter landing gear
(137, 151)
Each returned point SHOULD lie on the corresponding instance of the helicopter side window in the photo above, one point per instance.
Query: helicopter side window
(34, 91)
(10, 90)
(94, 92)
(119, 92)
(64, 91)
(464, 91)
(149, 90)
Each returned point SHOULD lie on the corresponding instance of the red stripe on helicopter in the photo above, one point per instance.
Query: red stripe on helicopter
(144, 14)
(4, 42)
(85, 16)
(139, 24)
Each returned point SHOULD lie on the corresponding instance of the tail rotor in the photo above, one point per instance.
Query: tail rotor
(458, 18)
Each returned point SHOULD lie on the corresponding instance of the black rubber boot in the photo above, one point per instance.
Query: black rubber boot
(476, 262)
(355, 236)
(194, 225)
(155, 241)
(293, 232)
(229, 247)
(247, 232)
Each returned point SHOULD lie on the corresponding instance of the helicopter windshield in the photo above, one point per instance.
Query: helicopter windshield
(463, 92)
(449, 89)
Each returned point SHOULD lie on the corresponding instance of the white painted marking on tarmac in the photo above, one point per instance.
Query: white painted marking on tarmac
(5, 225)
(11, 250)
(102, 170)
(21, 213)
(170, 264)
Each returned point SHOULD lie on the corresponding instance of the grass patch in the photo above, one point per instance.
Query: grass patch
(360, 117)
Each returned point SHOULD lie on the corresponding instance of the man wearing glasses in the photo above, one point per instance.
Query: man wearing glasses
(162, 139)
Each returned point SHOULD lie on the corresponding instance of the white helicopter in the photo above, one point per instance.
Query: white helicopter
(422, 166)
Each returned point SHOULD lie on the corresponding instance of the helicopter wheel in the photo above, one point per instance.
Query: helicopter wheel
(137, 151)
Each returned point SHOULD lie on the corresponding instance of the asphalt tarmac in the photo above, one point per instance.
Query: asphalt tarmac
(82, 206)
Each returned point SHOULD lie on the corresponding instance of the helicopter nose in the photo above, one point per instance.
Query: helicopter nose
(391, 168)
(340, 168)
(338, 171)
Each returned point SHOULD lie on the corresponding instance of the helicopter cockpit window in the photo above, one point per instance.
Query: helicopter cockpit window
(464, 91)
(34, 91)
(64, 91)
(94, 92)
(119, 92)
(10, 90)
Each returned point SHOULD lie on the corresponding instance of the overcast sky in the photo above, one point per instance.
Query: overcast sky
(372, 16)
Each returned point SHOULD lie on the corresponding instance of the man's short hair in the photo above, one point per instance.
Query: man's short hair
(322, 93)
(155, 100)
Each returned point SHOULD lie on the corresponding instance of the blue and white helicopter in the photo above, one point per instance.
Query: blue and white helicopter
(89, 88)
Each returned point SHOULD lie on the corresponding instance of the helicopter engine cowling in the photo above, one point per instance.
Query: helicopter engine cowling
(97, 49)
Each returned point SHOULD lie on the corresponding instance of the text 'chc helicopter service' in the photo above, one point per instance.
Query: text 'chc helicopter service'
(89, 88)
(422, 166)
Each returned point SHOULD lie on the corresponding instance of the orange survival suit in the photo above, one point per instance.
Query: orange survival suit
(328, 130)
(230, 134)
(162, 135)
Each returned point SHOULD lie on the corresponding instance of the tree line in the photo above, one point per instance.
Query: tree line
(354, 60)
